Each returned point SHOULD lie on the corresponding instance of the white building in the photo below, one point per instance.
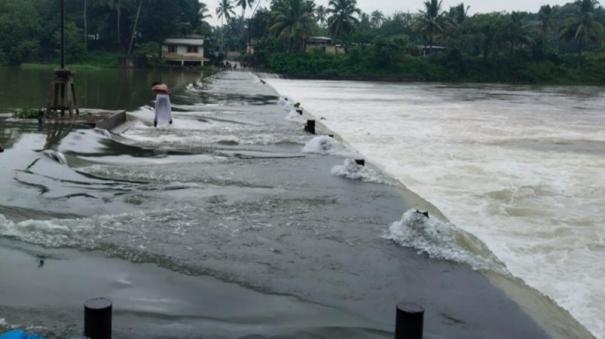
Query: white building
(187, 51)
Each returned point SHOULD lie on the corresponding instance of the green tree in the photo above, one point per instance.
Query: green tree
(546, 16)
(377, 19)
(430, 22)
(516, 32)
(292, 20)
(225, 12)
(583, 27)
(20, 31)
(321, 13)
(244, 4)
(343, 17)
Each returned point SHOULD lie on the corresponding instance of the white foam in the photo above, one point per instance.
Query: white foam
(351, 170)
(520, 169)
(324, 144)
(441, 240)
(42, 232)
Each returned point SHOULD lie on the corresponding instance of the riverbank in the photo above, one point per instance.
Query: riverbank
(493, 159)
(554, 70)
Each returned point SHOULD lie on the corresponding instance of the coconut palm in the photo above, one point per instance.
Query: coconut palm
(377, 19)
(458, 14)
(225, 12)
(546, 15)
(204, 12)
(342, 19)
(516, 32)
(430, 22)
(583, 27)
(321, 13)
(244, 4)
(292, 20)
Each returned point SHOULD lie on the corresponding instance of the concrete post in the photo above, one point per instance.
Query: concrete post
(409, 322)
(97, 318)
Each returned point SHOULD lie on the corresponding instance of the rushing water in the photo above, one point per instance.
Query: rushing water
(250, 226)
(522, 168)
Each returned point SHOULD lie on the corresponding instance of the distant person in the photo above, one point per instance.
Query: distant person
(1, 149)
(163, 107)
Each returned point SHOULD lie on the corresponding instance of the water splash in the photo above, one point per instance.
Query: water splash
(351, 170)
(442, 240)
(325, 145)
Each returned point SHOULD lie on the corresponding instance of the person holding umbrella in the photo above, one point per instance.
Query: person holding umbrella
(163, 107)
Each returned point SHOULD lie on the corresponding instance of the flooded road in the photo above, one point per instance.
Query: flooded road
(222, 227)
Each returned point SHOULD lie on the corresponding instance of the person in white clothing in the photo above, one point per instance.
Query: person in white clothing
(163, 107)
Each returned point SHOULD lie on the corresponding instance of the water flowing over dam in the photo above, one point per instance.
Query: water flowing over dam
(234, 222)
(519, 167)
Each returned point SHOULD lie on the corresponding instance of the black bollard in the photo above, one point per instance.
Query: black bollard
(299, 111)
(1, 149)
(310, 126)
(360, 162)
(409, 322)
(97, 318)
(331, 136)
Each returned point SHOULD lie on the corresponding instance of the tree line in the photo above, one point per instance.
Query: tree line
(29, 29)
(435, 43)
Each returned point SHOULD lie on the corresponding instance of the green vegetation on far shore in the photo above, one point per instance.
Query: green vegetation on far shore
(556, 45)
(361, 64)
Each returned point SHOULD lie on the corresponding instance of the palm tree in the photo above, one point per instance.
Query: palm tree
(292, 20)
(546, 15)
(458, 14)
(225, 12)
(321, 13)
(204, 12)
(244, 4)
(343, 20)
(516, 32)
(583, 27)
(377, 19)
(430, 22)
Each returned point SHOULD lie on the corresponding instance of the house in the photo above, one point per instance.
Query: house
(187, 51)
(324, 44)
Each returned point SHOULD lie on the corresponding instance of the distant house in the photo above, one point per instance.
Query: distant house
(323, 43)
(430, 49)
(187, 51)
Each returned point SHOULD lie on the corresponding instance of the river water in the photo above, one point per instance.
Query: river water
(231, 223)
(522, 168)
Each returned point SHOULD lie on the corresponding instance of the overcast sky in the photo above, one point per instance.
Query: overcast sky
(391, 6)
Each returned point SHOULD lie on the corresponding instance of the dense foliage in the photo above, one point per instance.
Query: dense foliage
(558, 44)
(29, 29)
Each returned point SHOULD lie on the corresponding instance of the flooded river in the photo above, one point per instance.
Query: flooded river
(521, 167)
(232, 223)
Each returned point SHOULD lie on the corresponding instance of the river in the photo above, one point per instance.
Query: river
(233, 222)
(520, 167)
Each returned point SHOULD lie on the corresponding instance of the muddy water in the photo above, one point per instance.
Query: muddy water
(221, 226)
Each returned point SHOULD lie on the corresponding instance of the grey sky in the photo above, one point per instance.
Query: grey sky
(391, 6)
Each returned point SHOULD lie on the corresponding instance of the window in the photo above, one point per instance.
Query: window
(192, 49)
(171, 49)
